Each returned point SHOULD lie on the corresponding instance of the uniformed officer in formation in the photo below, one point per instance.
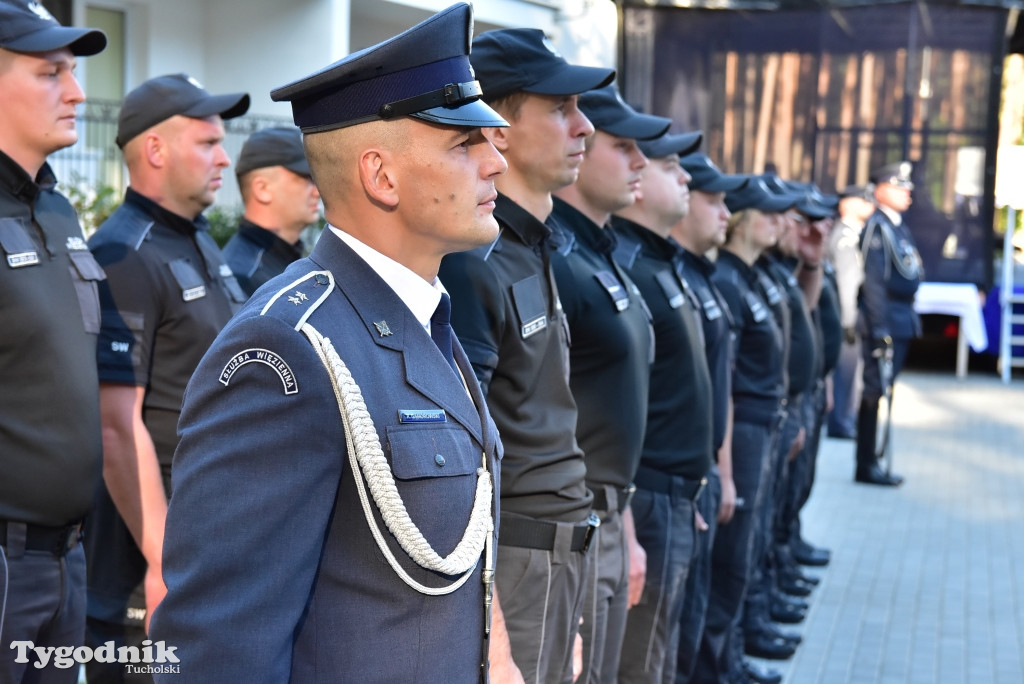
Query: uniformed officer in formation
(167, 295)
(892, 273)
(856, 204)
(280, 201)
(337, 460)
(677, 442)
(697, 234)
(50, 443)
(508, 316)
(612, 349)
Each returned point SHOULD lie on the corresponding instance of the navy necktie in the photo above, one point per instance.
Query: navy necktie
(441, 329)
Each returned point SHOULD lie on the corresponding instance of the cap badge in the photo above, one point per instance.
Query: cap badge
(40, 11)
(382, 328)
(196, 83)
(550, 46)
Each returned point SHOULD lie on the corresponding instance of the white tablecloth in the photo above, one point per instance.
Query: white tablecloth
(955, 299)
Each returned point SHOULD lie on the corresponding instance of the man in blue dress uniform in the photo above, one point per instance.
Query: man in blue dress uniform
(334, 494)
(892, 272)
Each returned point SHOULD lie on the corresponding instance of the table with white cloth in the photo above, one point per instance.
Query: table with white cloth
(960, 300)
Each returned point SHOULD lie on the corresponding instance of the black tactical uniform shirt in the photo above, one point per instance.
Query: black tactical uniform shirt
(802, 361)
(696, 271)
(256, 255)
(759, 376)
(678, 438)
(507, 315)
(829, 320)
(612, 347)
(50, 446)
(167, 295)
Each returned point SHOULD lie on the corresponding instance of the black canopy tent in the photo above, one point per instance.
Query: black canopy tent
(828, 91)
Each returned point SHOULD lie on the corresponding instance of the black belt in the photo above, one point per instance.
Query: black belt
(601, 502)
(675, 486)
(540, 534)
(56, 540)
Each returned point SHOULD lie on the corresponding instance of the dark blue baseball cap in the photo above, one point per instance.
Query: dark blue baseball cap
(277, 146)
(707, 177)
(507, 61)
(814, 203)
(609, 113)
(29, 27)
(681, 144)
(756, 195)
(423, 72)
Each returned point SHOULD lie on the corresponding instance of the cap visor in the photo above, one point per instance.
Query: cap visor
(226, 106)
(638, 127)
(82, 42)
(682, 144)
(572, 80)
(721, 184)
(299, 167)
(778, 203)
(475, 114)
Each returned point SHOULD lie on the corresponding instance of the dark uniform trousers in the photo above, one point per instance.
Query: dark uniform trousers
(803, 468)
(665, 528)
(698, 582)
(753, 446)
(867, 418)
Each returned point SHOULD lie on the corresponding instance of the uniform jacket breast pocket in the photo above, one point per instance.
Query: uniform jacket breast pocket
(16, 240)
(531, 307)
(85, 274)
(421, 451)
(191, 283)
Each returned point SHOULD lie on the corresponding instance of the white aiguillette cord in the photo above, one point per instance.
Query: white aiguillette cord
(364, 448)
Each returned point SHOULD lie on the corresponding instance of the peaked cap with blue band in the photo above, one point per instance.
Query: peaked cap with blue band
(423, 72)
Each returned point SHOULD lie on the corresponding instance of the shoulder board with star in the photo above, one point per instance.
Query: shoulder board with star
(295, 303)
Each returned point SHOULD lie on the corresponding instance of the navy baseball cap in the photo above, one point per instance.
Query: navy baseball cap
(278, 146)
(513, 60)
(897, 174)
(707, 177)
(162, 97)
(681, 144)
(423, 72)
(756, 195)
(29, 27)
(609, 113)
(813, 203)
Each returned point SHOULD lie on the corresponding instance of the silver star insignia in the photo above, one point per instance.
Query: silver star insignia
(382, 328)
(298, 298)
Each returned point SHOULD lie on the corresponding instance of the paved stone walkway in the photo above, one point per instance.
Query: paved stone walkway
(926, 583)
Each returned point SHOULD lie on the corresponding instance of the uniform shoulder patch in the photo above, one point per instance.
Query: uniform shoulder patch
(267, 358)
(296, 302)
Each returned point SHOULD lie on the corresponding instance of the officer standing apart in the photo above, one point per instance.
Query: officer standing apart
(856, 204)
(363, 493)
(699, 232)
(166, 296)
(612, 349)
(507, 314)
(676, 453)
(892, 272)
(49, 309)
(280, 201)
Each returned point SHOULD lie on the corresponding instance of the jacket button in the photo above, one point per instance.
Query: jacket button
(439, 460)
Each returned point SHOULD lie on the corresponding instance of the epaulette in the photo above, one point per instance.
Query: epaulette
(126, 226)
(295, 303)
(626, 251)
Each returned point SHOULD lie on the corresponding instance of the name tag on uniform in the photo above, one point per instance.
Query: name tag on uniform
(22, 259)
(422, 416)
(611, 285)
(757, 309)
(711, 309)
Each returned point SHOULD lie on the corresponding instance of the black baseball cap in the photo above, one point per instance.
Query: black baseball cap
(814, 204)
(521, 59)
(160, 98)
(864, 192)
(681, 144)
(756, 195)
(423, 72)
(278, 146)
(707, 177)
(29, 27)
(609, 113)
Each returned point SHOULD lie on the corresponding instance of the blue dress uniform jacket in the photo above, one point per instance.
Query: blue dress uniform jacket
(892, 272)
(271, 569)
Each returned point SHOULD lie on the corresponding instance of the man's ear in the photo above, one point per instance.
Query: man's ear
(498, 137)
(154, 149)
(259, 187)
(378, 177)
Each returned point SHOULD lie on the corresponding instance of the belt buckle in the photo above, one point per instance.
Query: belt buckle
(593, 522)
(628, 493)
